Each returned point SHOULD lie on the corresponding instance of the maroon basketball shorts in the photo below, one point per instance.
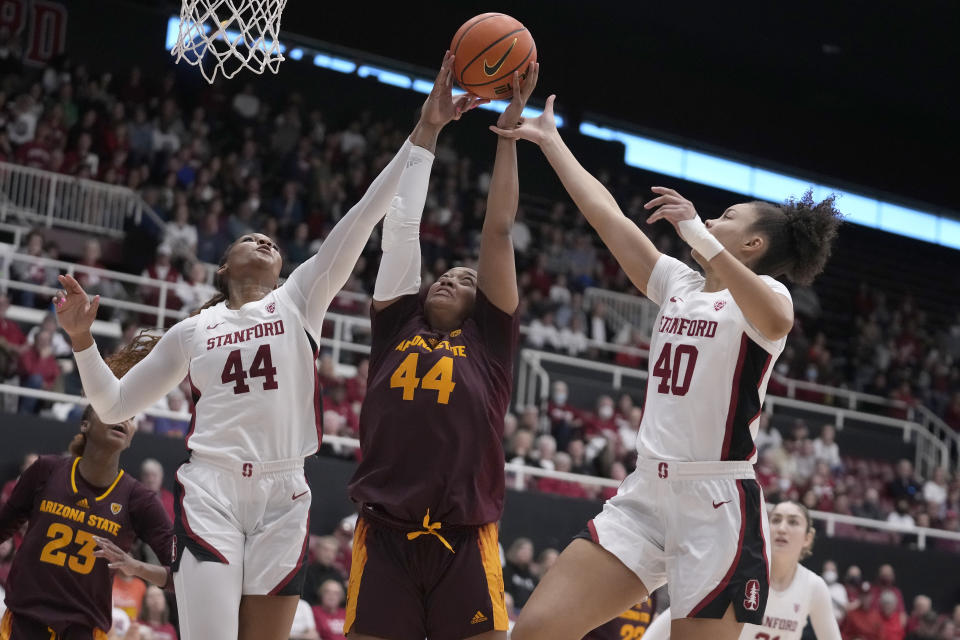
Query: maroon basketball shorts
(410, 584)
(14, 627)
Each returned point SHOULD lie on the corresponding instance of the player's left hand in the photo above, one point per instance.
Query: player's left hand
(116, 557)
(510, 117)
(441, 106)
(672, 207)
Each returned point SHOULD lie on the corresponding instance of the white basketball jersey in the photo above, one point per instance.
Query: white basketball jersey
(708, 371)
(787, 611)
(255, 384)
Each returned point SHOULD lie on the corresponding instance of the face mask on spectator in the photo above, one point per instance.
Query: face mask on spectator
(559, 398)
(854, 580)
(605, 412)
(829, 577)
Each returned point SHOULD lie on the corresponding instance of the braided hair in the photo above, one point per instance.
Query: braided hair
(800, 234)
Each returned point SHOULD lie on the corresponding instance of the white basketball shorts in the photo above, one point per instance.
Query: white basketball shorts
(699, 527)
(255, 514)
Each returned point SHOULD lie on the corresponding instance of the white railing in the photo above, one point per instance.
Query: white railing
(55, 199)
(519, 472)
(624, 308)
(533, 387)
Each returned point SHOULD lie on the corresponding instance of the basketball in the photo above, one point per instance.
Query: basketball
(488, 49)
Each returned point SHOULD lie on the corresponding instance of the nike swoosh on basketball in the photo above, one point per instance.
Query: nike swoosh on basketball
(211, 327)
(297, 495)
(491, 70)
(717, 505)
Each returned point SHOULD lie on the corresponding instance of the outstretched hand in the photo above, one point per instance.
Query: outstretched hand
(75, 310)
(441, 106)
(536, 130)
(116, 557)
(511, 116)
(672, 207)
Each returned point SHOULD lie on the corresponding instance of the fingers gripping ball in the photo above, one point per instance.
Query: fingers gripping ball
(488, 49)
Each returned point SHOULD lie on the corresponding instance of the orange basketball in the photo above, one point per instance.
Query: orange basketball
(488, 49)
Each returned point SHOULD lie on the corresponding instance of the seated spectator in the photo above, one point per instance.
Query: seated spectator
(922, 605)
(32, 273)
(905, 485)
(128, 593)
(155, 615)
(935, 489)
(298, 249)
(838, 594)
(304, 625)
(825, 448)
(58, 342)
(180, 235)
(151, 475)
(863, 622)
(329, 613)
(328, 372)
(161, 269)
(573, 339)
(357, 385)
(518, 578)
(173, 427)
(618, 472)
(870, 508)
(901, 515)
(38, 370)
(545, 452)
(12, 342)
(950, 523)
(890, 616)
(335, 424)
(603, 422)
(884, 584)
(194, 292)
(565, 422)
(336, 401)
(561, 462)
(322, 567)
(92, 281)
(545, 561)
(212, 242)
(543, 334)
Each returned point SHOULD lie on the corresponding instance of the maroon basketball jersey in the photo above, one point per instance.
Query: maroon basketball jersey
(631, 624)
(55, 578)
(432, 420)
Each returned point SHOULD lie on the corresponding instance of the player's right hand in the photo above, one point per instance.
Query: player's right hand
(441, 106)
(536, 130)
(75, 310)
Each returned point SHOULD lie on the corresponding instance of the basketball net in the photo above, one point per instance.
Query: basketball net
(226, 36)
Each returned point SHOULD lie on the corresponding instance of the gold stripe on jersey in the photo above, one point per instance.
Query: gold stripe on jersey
(73, 480)
(356, 573)
(6, 626)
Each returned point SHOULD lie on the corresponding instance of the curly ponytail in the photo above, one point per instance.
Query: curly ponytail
(800, 236)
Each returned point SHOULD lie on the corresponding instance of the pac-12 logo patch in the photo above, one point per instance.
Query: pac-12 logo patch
(115, 507)
(719, 304)
(752, 592)
(271, 307)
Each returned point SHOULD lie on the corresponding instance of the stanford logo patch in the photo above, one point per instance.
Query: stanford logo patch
(719, 304)
(663, 470)
(115, 507)
(271, 307)
(752, 600)
(796, 608)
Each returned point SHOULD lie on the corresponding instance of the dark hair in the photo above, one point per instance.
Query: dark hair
(800, 235)
(219, 283)
(120, 363)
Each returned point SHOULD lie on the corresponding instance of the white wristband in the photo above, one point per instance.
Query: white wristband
(695, 233)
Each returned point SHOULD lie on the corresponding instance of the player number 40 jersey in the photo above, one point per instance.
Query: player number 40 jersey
(708, 371)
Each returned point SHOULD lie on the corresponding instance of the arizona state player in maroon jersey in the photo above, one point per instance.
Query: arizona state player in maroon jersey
(632, 624)
(430, 482)
(83, 513)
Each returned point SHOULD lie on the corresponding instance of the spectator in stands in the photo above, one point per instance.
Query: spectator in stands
(886, 583)
(870, 508)
(321, 568)
(825, 448)
(545, 452)
(151, 475)
(543, 333)
(194, 290)
(12, 341)
(546, 560)
(38, 370)
(935, 489)
(838, 593)
(128, 592)
(891, 616)
(173, 427)
(518, 578)
(337, 402)
(565, 421)
(304, 624)
(905, 485)
(93, 282)
(520, 448)
(180, 235)
(862, 621)
(60, 345)
(951, 523)
(335, 424)
(32, 273)
(155, 615)
(211, 240)
(561, 462)
(573, 338)
(922, 605)
(329, 614)
(603, 421)
(357, 385)
(161, 269)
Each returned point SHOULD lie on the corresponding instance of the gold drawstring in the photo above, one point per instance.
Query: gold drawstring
(430, 529)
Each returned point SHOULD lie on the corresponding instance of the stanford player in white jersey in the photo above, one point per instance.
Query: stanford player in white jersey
(243, 501)
(796, 593)
(692, 514)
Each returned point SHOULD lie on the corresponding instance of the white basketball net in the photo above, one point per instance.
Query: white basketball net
(230, 35)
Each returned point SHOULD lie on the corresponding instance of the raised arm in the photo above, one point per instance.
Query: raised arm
(399, 272)
(113, 399)
(767, 310)
(632, 249)
(497, 271)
